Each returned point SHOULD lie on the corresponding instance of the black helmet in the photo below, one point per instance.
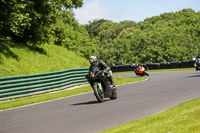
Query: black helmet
(93, 61)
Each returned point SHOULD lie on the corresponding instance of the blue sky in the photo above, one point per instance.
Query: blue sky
(135, 10)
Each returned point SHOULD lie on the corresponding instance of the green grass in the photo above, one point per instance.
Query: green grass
(58, 94)
(29, 62)
(160, 70)
(183, 118)
(176, 69)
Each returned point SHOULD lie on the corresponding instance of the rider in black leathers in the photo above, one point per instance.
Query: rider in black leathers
(197, 63)
(102, 65)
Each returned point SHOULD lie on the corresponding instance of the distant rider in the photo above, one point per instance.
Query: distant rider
(137, 68)
(197, 63)
(102, 65)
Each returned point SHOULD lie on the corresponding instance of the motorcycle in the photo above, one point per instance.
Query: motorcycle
(101, 85)
(197, 64)
(140, 70)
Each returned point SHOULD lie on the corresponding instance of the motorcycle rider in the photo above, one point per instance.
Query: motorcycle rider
(102, 65)
(137, 67)
(197, 63)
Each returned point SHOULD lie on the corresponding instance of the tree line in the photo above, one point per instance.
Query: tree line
(171, 36)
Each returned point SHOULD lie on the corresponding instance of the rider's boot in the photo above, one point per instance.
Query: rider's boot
(111, 81)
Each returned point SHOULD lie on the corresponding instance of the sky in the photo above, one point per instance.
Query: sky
(135, 10)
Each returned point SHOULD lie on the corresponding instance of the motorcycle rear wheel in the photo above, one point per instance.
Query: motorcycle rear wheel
(99, 93)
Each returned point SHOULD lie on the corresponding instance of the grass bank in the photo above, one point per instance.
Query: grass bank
(58, 94)
(28, 61)
(183, 118)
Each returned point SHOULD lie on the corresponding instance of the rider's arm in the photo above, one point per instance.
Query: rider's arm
(104, 66)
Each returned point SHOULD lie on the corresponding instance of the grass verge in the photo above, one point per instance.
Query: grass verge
(183, 118)
(160, 70)
(58, 94)
(176, 69)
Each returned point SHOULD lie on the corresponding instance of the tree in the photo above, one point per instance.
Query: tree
(93, 27)
(68, 33)
(29, 20)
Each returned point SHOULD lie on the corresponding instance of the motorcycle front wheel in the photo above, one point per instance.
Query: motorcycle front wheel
(114, 94)
(98, 92)
(145, 73)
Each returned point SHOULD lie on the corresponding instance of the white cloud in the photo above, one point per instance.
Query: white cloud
(129, 9)
(90, 12)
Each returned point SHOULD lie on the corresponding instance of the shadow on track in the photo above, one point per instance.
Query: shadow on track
(193, 76)
(89, 102)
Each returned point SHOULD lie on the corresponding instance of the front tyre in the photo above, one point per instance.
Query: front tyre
(114, 93)
(145, 73)
(98, 92)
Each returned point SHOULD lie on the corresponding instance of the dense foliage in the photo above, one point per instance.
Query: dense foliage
(39, 22)
(25, 20)
(168, 37)
(171, 36)
(68, 33)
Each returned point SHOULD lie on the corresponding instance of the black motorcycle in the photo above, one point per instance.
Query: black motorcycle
(197, 64)
(101, 85)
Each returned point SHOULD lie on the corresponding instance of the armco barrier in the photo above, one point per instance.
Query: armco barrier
(187, 64)
(165, 65)
(114, 68)
(26, 85)
(121, 68)
(153, 66)
(175, 64)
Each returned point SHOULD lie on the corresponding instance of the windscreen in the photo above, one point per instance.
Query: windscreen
(95, 69)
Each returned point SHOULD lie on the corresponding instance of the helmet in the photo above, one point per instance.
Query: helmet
(93, 61)
(133, 65)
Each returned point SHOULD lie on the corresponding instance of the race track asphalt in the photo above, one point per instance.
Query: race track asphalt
(83, 114)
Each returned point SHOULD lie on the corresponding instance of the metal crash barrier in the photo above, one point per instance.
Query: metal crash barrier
(26, 85)
(153, 66)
